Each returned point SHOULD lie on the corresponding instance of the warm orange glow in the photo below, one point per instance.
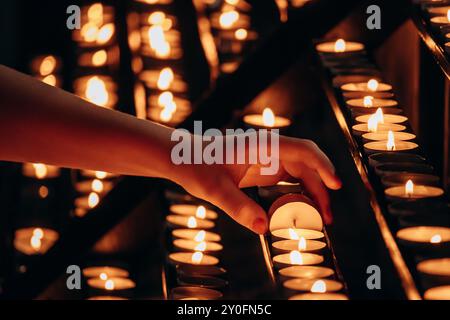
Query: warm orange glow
(448, 15)
(158, 42)
(390, 144)
(100, 174)
(109, 284)
(165, 115)
(228, 19)
(268, 117)
(103, 276)
(200, 236)
(96, 91)
(319, 286)
(35, 240)
(197, 257)
(436, 239)
(99, 58)
(50, 80)
(368, 101)
(241, 34)
(38, 233)
(295, 257)
(43, 192)
(293, 235)
(201, 212)
(95, 13)
(40, 170)
(47, 66)
(165, 79)
(201, 246)
(192, 222)
(165, 98)
(380, 116)
(105, 33)
(339, 45)
(409, 188)
(372, 123)
(302, 244)
(93, 200)
(89, 32)
(97, 185)
(372, 85)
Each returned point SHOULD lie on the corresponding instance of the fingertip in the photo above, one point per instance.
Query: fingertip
(259, 226)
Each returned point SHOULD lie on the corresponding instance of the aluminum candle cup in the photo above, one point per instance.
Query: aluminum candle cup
(361, 128)
(396, 179)
(339, 49)
(371, 86)
(105, 272)
(115, 286)
(399, 167)
(417, 192)
(198, 293)
(425, 238)
(382, 146)
(394, 157)
(387, 118)
(96, 185)
(266, 120)
(340, 80)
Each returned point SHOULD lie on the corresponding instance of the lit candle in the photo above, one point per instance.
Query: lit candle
(438, 11)
(313, 285)
(199, 212)
(371, 102)
(266, 120)
(384, 136)
(301, 245)
(440, 21)
(435, 267)
(411, 191)
(187, 292)
(370, 86)
(164, 79)
(203, 246)
(99, 58)
(402, 178)
(195, 258)
(97, 89)
(306, 272)
(425, 234)
(383, 118)
(33, 241)
(45, 65)
(95, 185)
(97, 174)
(229, 19)
(92, 35)
(296, 257)
(438, 293)
(111, 284)
(40, 171)
(105, 272)
(87, 202)
(189, 222)
(319, 296)
(196, 235)
(376, 127)
(339, 46)
(295, 234)
(390, 145)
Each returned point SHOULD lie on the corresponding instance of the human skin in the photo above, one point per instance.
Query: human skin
(43, 124)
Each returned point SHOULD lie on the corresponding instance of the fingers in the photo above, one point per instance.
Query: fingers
(238, 205)
(307, 152)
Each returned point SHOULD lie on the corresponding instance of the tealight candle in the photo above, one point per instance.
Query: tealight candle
(402, 178)
(96, 185)
(190, 222)
(313, 285)
(390, 145)
(105, 272)
(34, 240)
(40, 171)
(440, 21)
(383, 157)
(282, 187)
(297, 258)
(229, 19)
(45, 65)
(339, 46)
(87, 202)
(411, 191)
(266, 120)
(383, 118)
(111, 284)
(301, 245)
(438, 11)
(425, 234)
(319, 296)
(295, 234)
(360, 94)
(376, 127)
(402, 167)
(438, 293)
(195, 258)
(199, 293)
(97, 89)
(203, 246)
(371, 102)
(202, 281)
(164, 79)
(306, 272)
(435, 267)
(196, 235)
(97, 174)
(199, 212)
(370, 86)
(384, 136)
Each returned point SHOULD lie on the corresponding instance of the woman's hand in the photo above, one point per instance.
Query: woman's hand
(298, 159)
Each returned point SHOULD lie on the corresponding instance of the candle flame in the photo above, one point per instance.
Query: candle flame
(192, 223)
(301, 244)
(89, 32)
(158, 42)
(165, 79)
(103, 276)
(47, 66)
(109, 284)
(319, 286)
(436, 239)
(43, 192)
(293, 235)
(241, 34)
(448, 15)
(228, 19)
(96, 91)
(105, 33)
(100, 174)
(380, 116)
(390, 144)
(200, 236)
(99, 58)
(35, 241)
(409, 188)
(93, 200)
(368, 101)
(296, 257)
(339, 45)
(201, 212)
(97, 185)
(372, 85)
(201, 246)
(165, 115)
(38, 233)
(157, 18)
(40, 170)
(165, 98)
(95, 13)
(197, 257)
(372, 123)
(268, 117)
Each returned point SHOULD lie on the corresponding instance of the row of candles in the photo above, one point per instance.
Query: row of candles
(392, 153)
(437, 15)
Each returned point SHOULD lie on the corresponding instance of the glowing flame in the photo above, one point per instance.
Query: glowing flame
(296, 257)
(105, 33)
(43, 192)
(268, 117)
(241, 34)
(50, 80)
(93, 200)
(390, 144)
(339, 45)
(100, 174)
(201, 246)
(96, 91)
(165, 79)
(97, 185)
(200, 236)
(228, 19)
(372, 85)
(99, 58)
(368, 101)
(103, 276)
(293, 235)
(232, 2)
(301, 244)
(380, 116)
(165, 115)
(372, 123)
(319, 286)
(201, 212)
(436, 239)
(89, 32)
(40, 170)
(197, 257)
(165, 98)
(38, 233)
(109, 284)
(47, 66)
(448, 15)
(35, 240)
(158, 42)
(157, 18)
(95, 13)
(192, 222)
(409, 188)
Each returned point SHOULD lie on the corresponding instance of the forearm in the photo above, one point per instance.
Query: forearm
(39, 123)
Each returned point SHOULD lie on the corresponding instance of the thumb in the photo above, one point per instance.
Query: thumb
(239, 206)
